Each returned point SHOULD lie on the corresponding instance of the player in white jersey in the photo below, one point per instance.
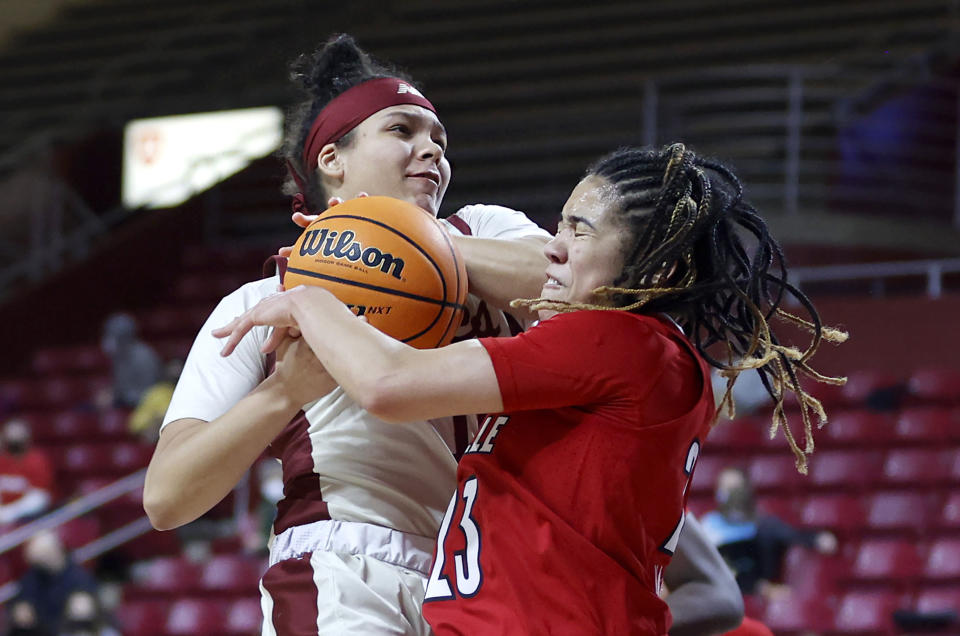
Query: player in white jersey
(363, 499)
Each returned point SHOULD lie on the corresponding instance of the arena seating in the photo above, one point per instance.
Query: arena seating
(882, 481)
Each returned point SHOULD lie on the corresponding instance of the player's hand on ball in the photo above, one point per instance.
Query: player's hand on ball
(274, 311)
(303, 220)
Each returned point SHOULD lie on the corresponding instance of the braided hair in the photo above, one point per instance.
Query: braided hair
(337, 66)
(702, 254)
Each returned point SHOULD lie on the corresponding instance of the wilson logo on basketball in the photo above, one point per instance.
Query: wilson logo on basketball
(342, 245)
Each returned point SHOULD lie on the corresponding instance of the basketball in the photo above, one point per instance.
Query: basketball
(389, 261)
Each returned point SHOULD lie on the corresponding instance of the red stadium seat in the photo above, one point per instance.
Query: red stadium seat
(92, 484)
(953, 465)
(42, 426)
(813, 575)
(172, 321)
(154, 543)
(233, 574)
(173, 576)
(861, 384)
(244, 617)
(845, 469)
(22, 395)
(943, 561)
(867, 612)
(843, 514)
(743, 434)
(113, 423)
(915, 467)
(830, 395)
(189, 616)
(893, 560)
(899, 511)
(950, 514)
(88, 459)
(142, 618)
(795, 615)
(857, 428)
(79, 532)
(128, 457)
(935, 385)
(784, 508)
(67, 393)
(926, 425)
(79, 359)
(173, 347)
(938, 599)
(75, 426)
(775, 473)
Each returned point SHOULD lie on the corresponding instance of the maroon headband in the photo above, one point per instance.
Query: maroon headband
(351, 107)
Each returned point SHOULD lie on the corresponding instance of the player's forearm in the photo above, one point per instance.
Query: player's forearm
(501, 270)
(392, 380)
(359, 357)
(198, 463)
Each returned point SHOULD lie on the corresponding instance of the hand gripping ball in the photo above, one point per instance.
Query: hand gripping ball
(390, 261)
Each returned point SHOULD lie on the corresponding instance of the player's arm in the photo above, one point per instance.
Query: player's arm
(197, 463)
(388, 378)
(704, 597)
(501, 270)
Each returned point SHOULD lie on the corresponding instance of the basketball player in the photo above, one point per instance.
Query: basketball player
(570, 499)
(370, 516)
(363, 499)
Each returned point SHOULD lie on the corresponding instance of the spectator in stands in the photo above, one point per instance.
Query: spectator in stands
(135, 365)
(754, 544)
(145, 420)
(23, 620)
(26, 475)
(52, 577)
(84, 617)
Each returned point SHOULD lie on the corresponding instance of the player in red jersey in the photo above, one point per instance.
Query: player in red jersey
(570, 499)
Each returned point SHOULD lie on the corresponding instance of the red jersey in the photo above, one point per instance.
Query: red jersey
(569, 505)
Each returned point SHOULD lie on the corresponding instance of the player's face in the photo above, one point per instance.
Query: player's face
(587, 251)
(398, 152)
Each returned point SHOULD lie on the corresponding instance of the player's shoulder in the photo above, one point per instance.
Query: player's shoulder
(252, 292)
(477, 210)
(595, 318)
(485, 219)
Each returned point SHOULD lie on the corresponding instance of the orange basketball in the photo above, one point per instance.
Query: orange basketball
(388, 260)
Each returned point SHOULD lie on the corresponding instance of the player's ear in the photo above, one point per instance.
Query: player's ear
(330, 163)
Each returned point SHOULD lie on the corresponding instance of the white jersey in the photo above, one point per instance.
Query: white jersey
(339, 461)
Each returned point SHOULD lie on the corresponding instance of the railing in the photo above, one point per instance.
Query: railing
(932, 270)
(790, 131)
(117, 537)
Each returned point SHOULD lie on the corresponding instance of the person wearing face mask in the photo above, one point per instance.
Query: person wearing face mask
(752, 543)
(570, 500)
(26, 475)
(135, 366)
(51, 578)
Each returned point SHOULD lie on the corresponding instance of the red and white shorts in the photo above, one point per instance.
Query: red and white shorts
(343, 577)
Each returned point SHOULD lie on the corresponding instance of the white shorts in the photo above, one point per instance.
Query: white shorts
(341, 577)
